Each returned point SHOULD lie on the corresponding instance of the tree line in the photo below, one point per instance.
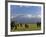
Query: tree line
(26, 26)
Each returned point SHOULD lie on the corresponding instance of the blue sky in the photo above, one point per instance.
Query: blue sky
(18, 9)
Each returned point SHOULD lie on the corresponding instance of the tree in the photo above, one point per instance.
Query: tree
(20, 24)
(38, 24)
(12, 24)
(26, 26)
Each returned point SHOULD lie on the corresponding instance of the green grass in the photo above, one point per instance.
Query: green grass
(31, 27)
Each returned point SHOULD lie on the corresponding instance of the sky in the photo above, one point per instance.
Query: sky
(25, 11)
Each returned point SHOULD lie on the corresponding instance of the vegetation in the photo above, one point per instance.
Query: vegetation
(25, 27)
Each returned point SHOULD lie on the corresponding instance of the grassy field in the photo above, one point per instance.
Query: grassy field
(31, 27)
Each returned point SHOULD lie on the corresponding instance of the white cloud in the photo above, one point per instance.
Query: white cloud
(33, 16)
(39, 16)
(26, 15)
(29, 15)
(13, 16)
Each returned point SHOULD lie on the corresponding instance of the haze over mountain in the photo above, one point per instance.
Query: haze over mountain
(26, 19)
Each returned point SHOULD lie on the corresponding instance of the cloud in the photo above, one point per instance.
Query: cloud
(26, 15)
(13, 16)
(33, 16)
(39, 16)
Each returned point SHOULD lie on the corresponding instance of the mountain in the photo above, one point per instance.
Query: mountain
(26, 19)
